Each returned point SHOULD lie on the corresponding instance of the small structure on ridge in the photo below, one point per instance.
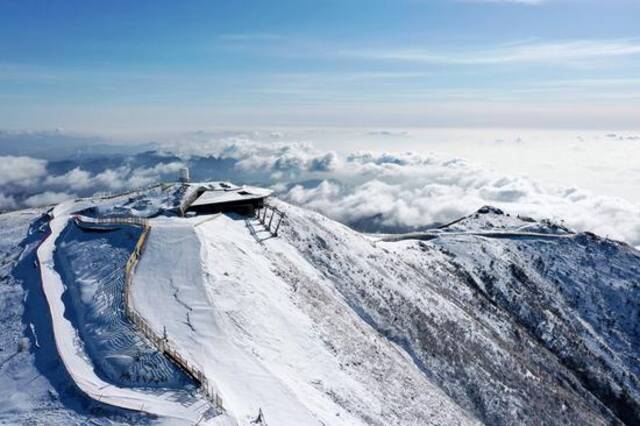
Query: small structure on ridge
(184, 175)
(220, 197)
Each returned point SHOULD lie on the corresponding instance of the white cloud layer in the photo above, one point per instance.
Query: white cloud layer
(25, 182)
(384, 190)
(404, 190)
(529, 2)
(7, 202)
(21, 171)
(74, 179)
(47, 198)
(529, 52)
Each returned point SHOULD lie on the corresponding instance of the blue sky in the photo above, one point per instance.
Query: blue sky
(123, 66)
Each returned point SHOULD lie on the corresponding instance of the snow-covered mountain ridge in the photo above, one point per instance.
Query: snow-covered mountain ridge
(324, 325)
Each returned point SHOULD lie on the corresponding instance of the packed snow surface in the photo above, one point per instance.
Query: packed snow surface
(91, 261)
(228, 308)
(72, 350)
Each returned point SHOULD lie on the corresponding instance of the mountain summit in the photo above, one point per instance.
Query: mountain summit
(122, 310)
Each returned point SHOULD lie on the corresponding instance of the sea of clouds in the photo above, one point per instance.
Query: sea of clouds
(404, 190)
(26, 181)
(374, 191)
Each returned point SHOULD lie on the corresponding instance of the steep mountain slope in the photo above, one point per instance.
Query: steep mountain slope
(300, 355)
(488, 356)
(577, 297)
(495, 319)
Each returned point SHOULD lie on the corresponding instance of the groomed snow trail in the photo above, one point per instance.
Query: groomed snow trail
(70, 348)
(296, 351)
(170, 291)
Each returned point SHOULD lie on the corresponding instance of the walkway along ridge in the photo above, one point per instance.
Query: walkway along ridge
(425, 236)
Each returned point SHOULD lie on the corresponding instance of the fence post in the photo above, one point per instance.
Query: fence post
(273, 212)
(278, 225)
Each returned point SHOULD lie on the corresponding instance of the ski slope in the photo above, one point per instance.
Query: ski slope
(170, 276)
(228, 309)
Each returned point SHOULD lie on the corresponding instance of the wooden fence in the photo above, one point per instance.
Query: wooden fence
(161, 342)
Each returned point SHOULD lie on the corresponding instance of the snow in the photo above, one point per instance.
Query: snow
(76, 362)
(575, 294)
(476, 348)
(491, 219)
(34, 383)
(224, 302)
(493, 318)
(173, 280)
(159, 199)
(15, 363)
(91, 261)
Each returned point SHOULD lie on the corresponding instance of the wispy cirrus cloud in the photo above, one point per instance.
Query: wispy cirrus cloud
(249, 37)
(527, 2)
(529, 52)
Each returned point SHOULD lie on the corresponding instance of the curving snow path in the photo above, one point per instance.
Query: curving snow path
(71, 352)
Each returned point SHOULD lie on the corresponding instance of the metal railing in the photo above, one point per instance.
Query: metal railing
(161, 342)
(266, 215)
(113, 220)
(109, 195)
